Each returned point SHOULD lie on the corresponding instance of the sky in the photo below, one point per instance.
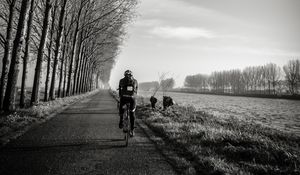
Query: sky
(187, 37)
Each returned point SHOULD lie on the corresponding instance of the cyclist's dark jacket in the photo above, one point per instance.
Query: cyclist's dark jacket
(128, 87)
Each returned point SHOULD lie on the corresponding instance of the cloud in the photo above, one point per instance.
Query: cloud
(148, 22)
(185, 33)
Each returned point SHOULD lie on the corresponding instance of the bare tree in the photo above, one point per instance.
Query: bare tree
(37, 75)
(274, 73)
(26, 54)
(7, 46)
(54, 10)
(235, 80)
(74, 44)
(298, 73)
(57, 49)
(291, 70)
(10, 94)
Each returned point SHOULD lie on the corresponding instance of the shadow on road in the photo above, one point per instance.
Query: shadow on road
(99, 144)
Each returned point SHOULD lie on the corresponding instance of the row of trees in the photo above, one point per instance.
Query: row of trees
(267, 79)
(167, 84)
(149, 86)
(76, 40)
(164, 85)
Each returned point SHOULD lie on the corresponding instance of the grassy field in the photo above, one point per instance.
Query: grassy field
(218, 145)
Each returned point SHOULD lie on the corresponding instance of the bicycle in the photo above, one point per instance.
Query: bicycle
(126, 122)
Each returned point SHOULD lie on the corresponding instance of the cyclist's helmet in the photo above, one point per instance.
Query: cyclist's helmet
(128, 73)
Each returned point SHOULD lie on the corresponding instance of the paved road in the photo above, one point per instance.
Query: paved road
(84, 139)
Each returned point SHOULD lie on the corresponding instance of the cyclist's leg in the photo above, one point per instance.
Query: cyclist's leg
(132, 112)
(121, 111)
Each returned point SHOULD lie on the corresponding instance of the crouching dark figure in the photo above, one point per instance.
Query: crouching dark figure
(167, 101)
(153, 101)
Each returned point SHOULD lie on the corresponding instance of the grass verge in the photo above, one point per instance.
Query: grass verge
(217, 145)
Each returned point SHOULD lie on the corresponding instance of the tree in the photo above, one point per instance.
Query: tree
(54, 10)
(10, 94)
(218, 81)
(298, 72)
(64, 57)
(196, 81)
(274, 75)
(291, 70)
(147, 86)
(37, 75)
(26, 54)
(235, 79)
(74, 44)
(167, 84)
(7, 46)
(57, 49)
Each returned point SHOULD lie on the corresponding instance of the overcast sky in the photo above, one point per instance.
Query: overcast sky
(186, 37)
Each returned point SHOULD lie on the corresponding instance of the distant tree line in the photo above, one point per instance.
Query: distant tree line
(268, 79)
(167, 84)
(163, 85)
(76, 41)
(149, 86)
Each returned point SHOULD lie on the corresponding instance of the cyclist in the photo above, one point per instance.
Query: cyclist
(128, 87)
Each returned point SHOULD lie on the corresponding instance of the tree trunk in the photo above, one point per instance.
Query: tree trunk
(76, 73)
(97, 81)
(88, 80)
(47, 73)
(68, 90)
(85, 76)
(91, 80)
(26, 55)
(264, 86)
(65, 78)
(37, 75)
(269, 84)
(274, 87)
(90, 77)
(80, 88)
(10, 94)
(5, 61)
(79, 77)
(46, 95)
(77, 62)
(58, 43)
(66, 69)
(61, 70)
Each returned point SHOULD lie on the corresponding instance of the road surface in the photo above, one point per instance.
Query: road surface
(83, 139)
